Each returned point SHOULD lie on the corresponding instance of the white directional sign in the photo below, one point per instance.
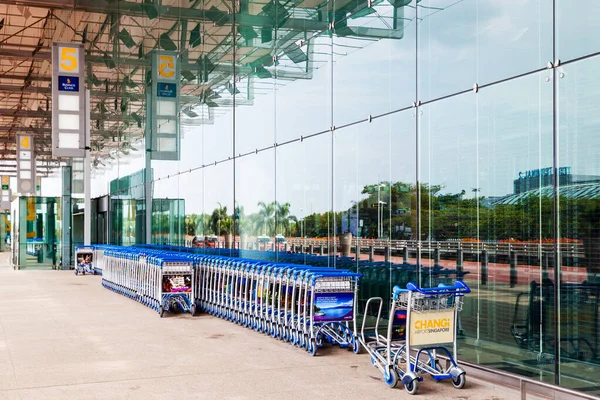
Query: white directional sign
(25, 165)
(68, 100)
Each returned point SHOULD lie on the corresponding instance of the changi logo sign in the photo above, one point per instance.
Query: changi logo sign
(535, 173)
(432, 327)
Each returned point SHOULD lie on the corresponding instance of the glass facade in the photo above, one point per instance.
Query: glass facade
(445, 139)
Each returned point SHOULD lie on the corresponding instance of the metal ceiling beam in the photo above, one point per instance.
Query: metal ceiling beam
(23, 88)
(133, 9)
(23, 77)
(95, 93)
(25, 129)
(24, 54)
(4, 112)
(44, 3)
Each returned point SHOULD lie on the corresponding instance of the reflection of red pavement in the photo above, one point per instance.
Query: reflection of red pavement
(499, 272)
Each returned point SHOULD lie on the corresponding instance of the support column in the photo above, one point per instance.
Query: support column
(459, 264)
(87, 177)
(484, 267)
(148, 195)
(67, 214)
(371, 253)
(545, 265)
(513, 268)
(437, 257)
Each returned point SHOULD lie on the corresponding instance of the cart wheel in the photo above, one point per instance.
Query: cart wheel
(193, 310)
(373, 362)
(459, 381)
(390, 377)
(355, 346)
(312, 347)
(412, 387)
(161, 311)
(75, 271)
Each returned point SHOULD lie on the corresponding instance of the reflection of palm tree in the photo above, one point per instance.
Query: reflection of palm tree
(265, 222)
(220, 222)
(274, 216)
(284, 217)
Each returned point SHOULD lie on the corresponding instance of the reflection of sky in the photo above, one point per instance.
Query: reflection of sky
(469, 141)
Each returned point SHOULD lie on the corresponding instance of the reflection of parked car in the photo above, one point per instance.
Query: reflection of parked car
(281, 241)
(205, 241)
(264, 243)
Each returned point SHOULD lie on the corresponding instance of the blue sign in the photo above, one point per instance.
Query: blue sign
(164, 89)
(68, 83)
(536, 173)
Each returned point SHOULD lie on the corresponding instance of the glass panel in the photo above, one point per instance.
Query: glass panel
(481, 222)
(36, 232)
(467, 42)
(304, 198)
(375, 203)
(219, 204)
(579, 210)
(303, 81)
(255, 200)
(255, 114)
(575, 28)
(374, 70)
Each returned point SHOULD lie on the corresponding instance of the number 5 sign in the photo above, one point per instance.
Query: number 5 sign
(68, 60)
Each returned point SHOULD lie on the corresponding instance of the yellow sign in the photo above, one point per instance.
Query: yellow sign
(5, 180)
(431, 328)
(25, 142)
(30, 209)
(68, 59)
(166, 66)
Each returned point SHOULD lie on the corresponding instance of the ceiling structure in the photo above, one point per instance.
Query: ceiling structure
(276, 41)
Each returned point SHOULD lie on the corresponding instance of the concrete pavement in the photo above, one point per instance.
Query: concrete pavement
(65, 337)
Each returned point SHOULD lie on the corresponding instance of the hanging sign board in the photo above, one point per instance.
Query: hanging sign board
(162, 115)
(5, 195)
(68, 100)
(25, 165)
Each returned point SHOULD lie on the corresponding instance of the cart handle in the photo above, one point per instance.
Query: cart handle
(458, 287)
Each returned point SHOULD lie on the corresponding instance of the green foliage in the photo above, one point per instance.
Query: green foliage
(444, 216)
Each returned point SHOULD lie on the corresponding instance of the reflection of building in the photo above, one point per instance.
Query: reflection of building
(537, 178)
(539, 183)
(576, 191)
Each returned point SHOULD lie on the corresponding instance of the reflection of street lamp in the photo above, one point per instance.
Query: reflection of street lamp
(301, 224)
(379, 218)
(381, 206)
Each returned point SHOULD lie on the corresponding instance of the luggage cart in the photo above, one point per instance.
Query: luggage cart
(84, 260)
(160, 280)
(421, 321)
(176, 278)
(333, 299)
(279, 300)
